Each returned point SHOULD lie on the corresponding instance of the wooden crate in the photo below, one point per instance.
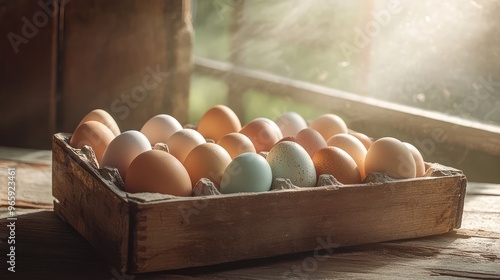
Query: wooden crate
(145, 233)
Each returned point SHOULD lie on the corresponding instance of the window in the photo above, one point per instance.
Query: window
(439, 56)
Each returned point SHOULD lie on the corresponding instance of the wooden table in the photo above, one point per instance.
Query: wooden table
(48, 248)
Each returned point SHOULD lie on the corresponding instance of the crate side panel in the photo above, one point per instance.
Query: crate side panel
(90, 207)
(180, 234)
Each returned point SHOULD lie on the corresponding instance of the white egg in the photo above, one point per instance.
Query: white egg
(289, 160)
(159, 128)
(290, 123)
(123, 150)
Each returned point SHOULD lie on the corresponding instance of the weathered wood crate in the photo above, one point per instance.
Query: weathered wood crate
(144, 233)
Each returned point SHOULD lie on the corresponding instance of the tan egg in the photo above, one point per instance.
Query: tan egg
(353, 147)
(389, 155)
(261, 134)
(94, 134)
(310, 140)
(337, 162)
(288, 138)
(158, 172)
(329, 125)
(123, 150)
(103, 117)
(419, 160)
(183, 141)
(367, 142)
(236, 144)
(217, 122)
(290, 123)
(207, 160)
(160, 127)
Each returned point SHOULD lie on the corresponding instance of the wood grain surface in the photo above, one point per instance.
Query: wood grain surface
(48, 248)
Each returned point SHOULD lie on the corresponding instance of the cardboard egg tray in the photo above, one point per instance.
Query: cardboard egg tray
(151, 232)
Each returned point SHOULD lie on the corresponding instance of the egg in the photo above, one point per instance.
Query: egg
(158, 172)
(367, 142)
(181, 143)
(248, 172)
(217, 122)
(123, 150)
(94, 134)
(389, 155)
(289, 160)
(160, 127)
(103, 117)
(329, 125)
(310, 140)
(353, 147)
(207, 160)
(290, 123)
(337, 162)
(274, 125)
(236, 144)
(261, 134)
(419, 160)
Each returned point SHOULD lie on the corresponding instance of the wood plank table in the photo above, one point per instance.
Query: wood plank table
(48, 248)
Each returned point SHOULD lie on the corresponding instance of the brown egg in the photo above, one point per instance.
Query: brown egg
(207, 160)
(158, 172)
(337, 162)
(329, 125)
(310, 140)
(389, 155)
(353, 147)
(103, 117)
(236, 144)
(261, 134)
(367, 142)
(94, 134)
(217, 122)
(419, 160)
(183, 141)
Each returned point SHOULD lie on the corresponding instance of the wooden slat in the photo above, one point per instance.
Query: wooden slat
(27, 74)
(267, 224)
(360, 109)
(98, 213)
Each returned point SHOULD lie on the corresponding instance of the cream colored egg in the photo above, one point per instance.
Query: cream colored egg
(160, 127)
(123, 150)
(289, 160)
(290, 123)
(389, 155)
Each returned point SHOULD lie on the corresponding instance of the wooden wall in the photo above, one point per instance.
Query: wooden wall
(27, 74)
(128, 57)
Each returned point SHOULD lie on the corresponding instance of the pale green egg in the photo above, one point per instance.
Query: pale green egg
(248, 172)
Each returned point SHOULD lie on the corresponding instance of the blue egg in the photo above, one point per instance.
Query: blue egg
(248, 172)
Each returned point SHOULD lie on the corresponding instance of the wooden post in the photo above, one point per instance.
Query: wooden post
(236, 91)
(130, 57)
